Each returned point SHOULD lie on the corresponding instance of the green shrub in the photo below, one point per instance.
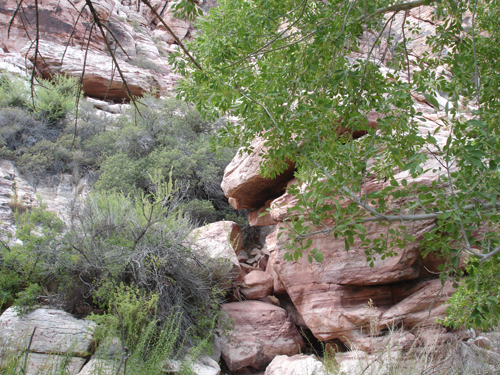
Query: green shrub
(56, 99)
(25, 268)
(14, 91)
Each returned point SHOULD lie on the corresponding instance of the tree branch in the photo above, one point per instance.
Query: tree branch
(148, 4)
(396, 8)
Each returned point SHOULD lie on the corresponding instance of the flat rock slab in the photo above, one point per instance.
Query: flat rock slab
(56, 331)
(46, 364)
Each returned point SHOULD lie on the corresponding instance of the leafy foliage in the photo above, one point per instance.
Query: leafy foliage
(305, 76)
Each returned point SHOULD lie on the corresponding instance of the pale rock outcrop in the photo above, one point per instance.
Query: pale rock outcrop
(203, 365)
(257, 284)
(56, 20)
(220, 240)
(101, 79)
(14, 191)
(37, 364)
(178, 26)
(243, 183)
(139, 40)
(300, 364)
(261, 331)
(55, 331)
(99, 366)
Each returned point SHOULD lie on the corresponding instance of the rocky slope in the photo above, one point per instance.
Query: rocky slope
(67, 39)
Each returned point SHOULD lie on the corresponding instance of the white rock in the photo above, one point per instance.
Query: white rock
(56, 331)
(46, 364)
(99, 366)
(300, 364)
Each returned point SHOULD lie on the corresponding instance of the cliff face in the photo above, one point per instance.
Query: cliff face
(68, 39)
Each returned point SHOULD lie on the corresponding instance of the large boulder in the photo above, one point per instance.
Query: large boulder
(101, 79)
(243, 183)
(221, 240)
(56, 340)
(261, 331)
(49, 330)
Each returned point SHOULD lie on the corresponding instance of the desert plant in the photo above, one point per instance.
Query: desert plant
(56, 99)
(14, 91)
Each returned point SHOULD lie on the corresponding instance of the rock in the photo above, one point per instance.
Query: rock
(263, 262)
(261, 217)
(56, 331)
(300, 364)
(257, 284)
(243, 183)
(178, 26)
(56, 20)
(261, 332)
(278, 287)
(220, 240)
(287, 304)
(414, 310)
(12, 184)
(358, 362)
(272, 300)
(53, 364)
(99, 80)
(99, 366)
(242, 256)
(203, 365)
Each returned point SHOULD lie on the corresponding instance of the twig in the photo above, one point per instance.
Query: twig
(113, 57)
(125, 354)
(148, 4)
(27, 351)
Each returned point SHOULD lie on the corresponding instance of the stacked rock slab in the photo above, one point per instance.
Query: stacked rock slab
(55, 339)
(341, 297)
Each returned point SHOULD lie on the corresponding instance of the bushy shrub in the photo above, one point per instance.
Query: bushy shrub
(25, 268)
(13, 91)
(168, 136)
(55, 99)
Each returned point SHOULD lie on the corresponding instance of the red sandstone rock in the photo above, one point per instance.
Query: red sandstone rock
(243, 183)
(261, 217)
(99, 80)
(257, 284)
(219, 240)
(261, 332)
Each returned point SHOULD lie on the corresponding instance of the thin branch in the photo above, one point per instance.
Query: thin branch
(72, 32)
(148, 4)
(113, 57)
(11, 21)
(396, 8)
(27, 351)
(271, 41)
(476, 70)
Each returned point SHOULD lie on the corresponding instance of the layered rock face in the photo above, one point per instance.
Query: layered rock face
(342, 297)
(68, 41)
(55, 338)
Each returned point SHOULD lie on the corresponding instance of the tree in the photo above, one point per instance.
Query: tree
(305, 75)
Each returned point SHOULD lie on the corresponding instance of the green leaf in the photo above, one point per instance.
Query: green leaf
(318, 256)
(432, 100)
